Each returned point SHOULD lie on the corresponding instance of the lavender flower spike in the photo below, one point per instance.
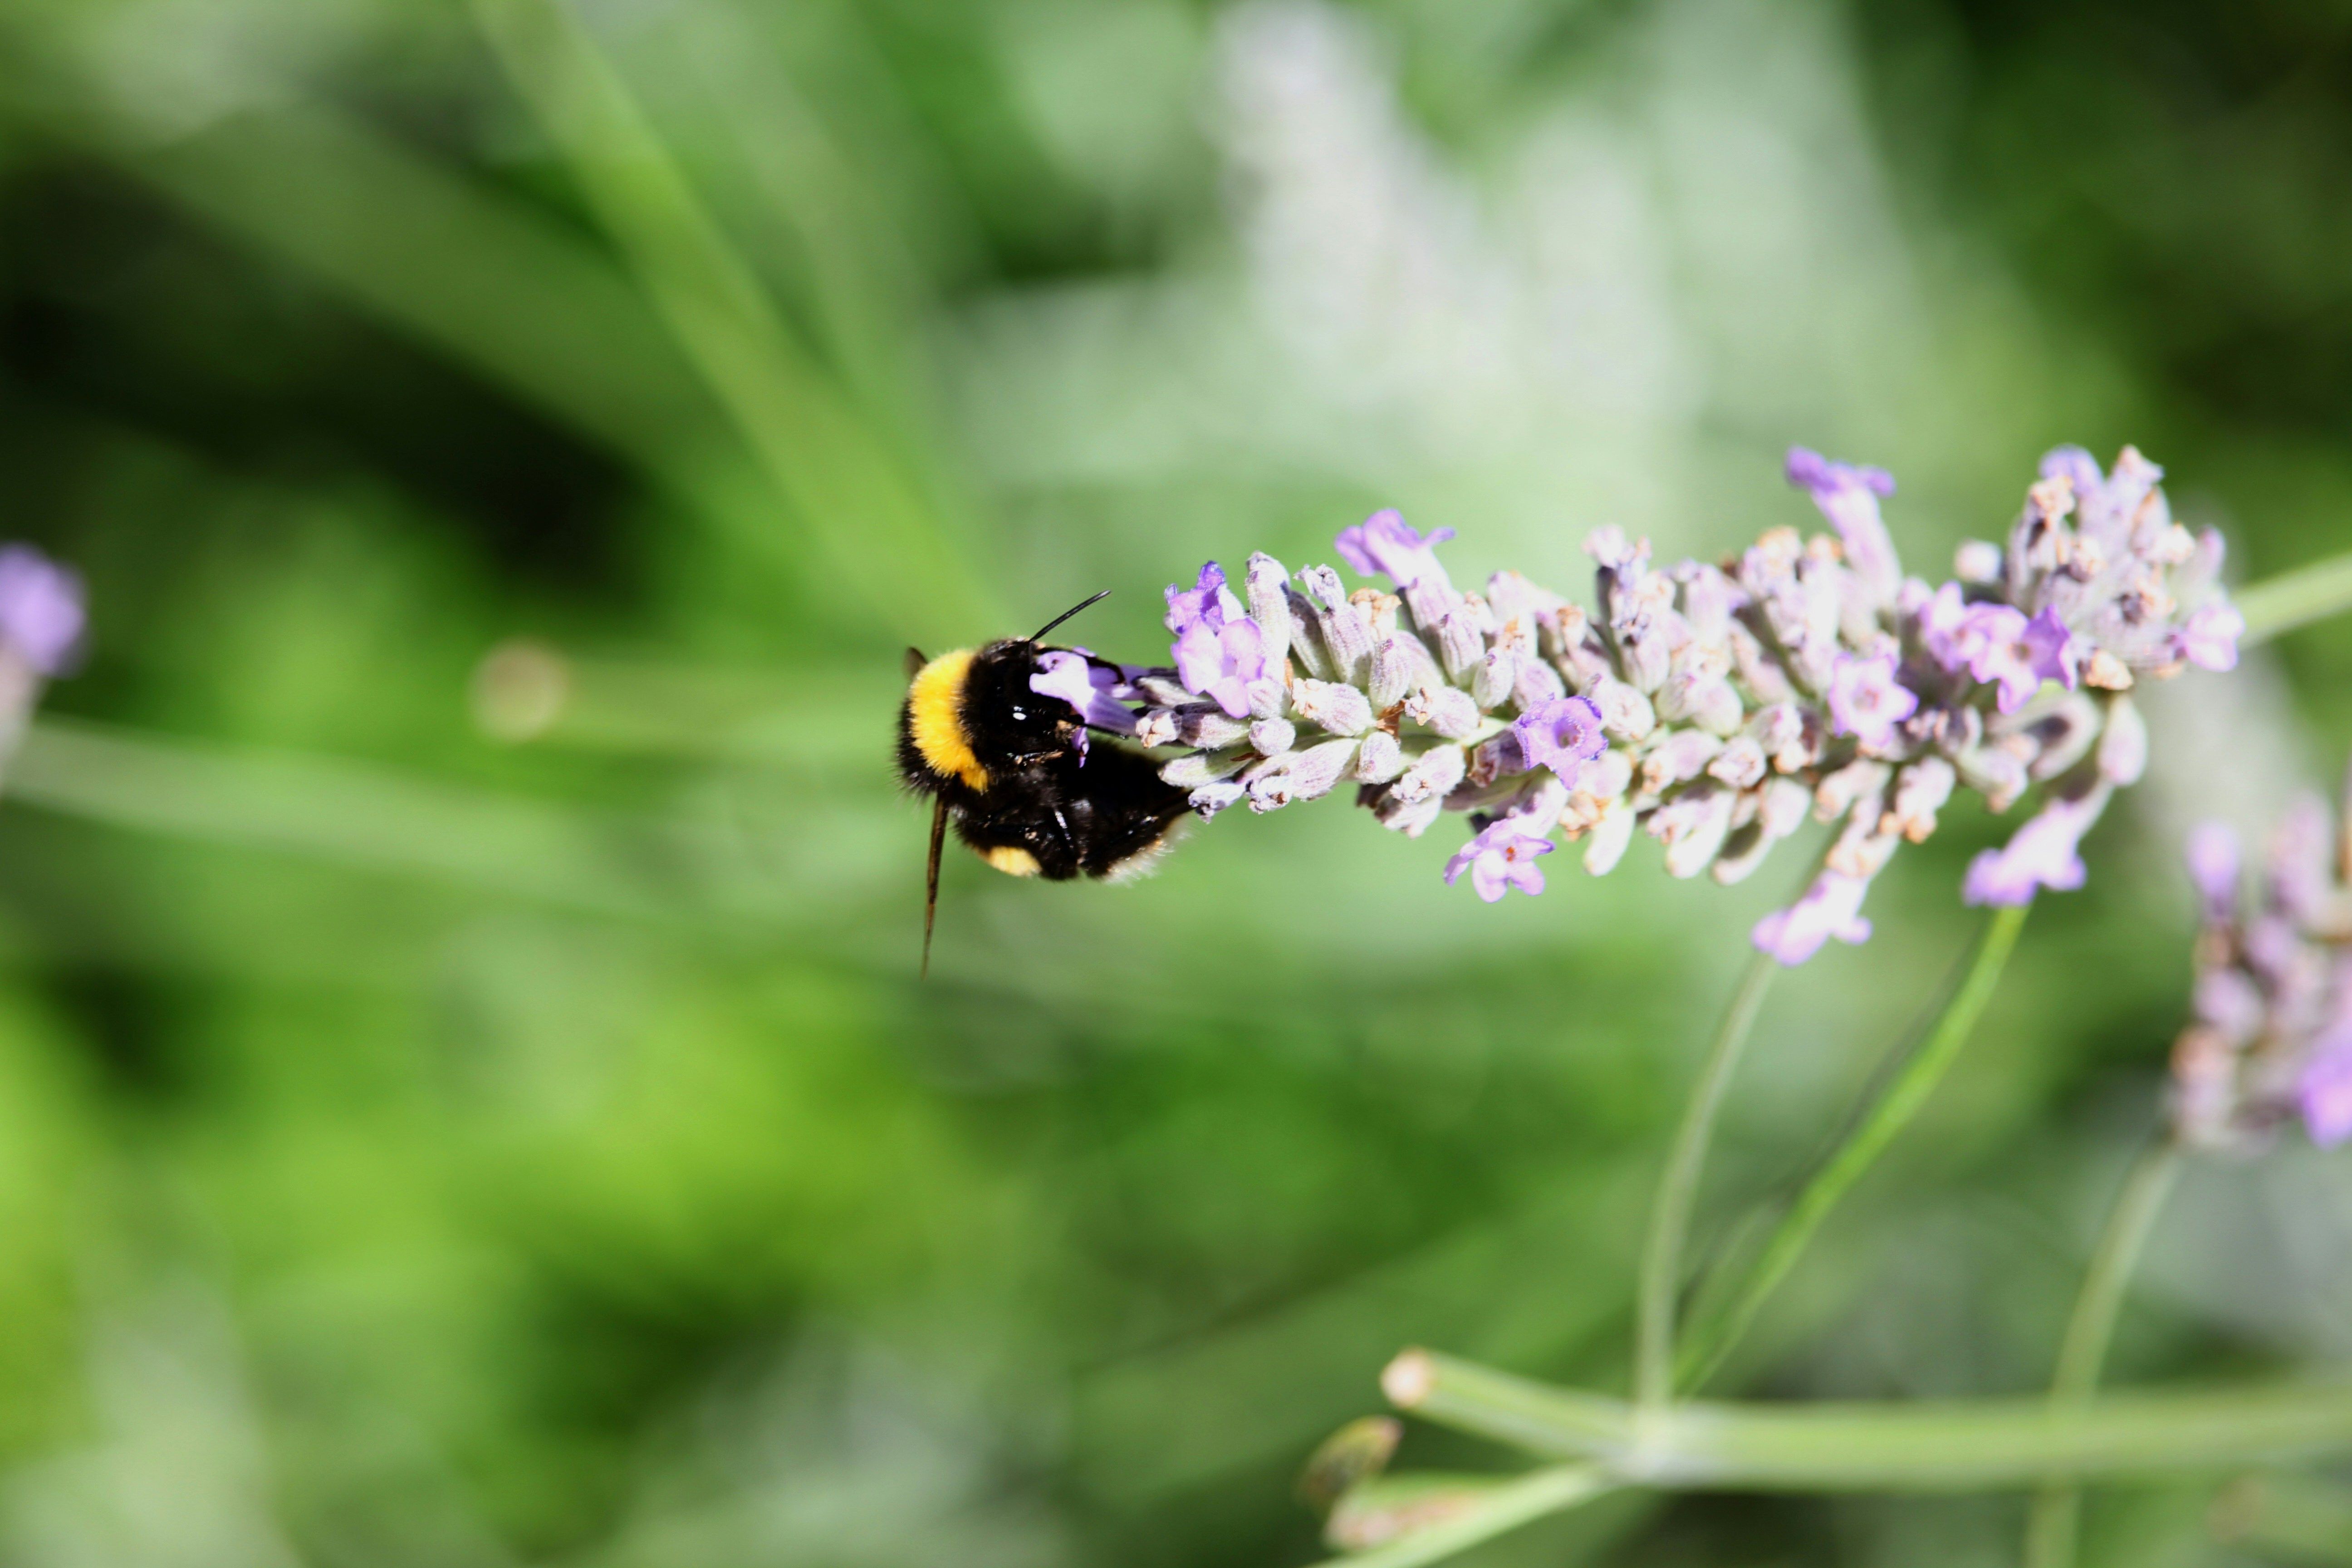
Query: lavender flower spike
(1707, 707)
(41, 608)
(1500, 858)
(1831, 906)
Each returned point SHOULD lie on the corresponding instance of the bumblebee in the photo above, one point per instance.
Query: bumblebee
(1013, 770)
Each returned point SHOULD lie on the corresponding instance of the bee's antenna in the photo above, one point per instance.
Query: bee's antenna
(1065, 615)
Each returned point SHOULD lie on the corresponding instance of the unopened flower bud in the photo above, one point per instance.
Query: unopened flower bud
(1835, 795)
(1264, 582)
(2122, 748)
(1432, 774)
(1411, 817)
(1307, 649)
(1535, 683)
(1625, 713)
(1976, 561)
(1213, 798)
(1272, 737)
(1683, 754)
(1391, 676)
(1329, 705)
(1741, 763)
(1197, 768)
(1606, 844)
(1205, 725)
(1381, 758)
(1447, 709)
(1701, 699)
(1268, 698)
(1692, 826)
(1492, 677)
(1920, 792)
(1346, 637)
(1460, 644)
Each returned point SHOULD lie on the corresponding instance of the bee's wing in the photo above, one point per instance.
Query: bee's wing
(915, 662)
(931, 876)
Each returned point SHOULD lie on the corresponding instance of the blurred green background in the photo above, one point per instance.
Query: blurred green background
(465, 1096)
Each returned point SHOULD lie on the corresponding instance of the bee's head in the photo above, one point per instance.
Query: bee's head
(972, 715)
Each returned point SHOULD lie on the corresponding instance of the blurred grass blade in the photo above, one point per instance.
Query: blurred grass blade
(1503, 1507)
(1878, 1127)
(1917, 1446)
(340, 812)
(2295, 598)
(2300, 1519)
(875, 533)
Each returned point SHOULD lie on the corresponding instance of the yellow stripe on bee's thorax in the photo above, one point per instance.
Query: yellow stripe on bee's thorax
(934, 706)
(1011, 860)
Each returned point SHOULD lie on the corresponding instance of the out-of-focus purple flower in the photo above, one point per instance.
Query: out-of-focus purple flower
(1502, 857)
(1074, 677)
(2042, 853)
(2213, 858)
(2016, 654)
(1831, 906)
(1866, 700)
(2209, 639)
(1560, 734)
(2324, 1088)
(1848, 496)
(41, 613)
(1943, 628)
(1385, 542)
(1219, 650)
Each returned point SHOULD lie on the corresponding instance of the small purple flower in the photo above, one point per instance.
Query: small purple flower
(1866, 700)
(1848, 496)
(1086, 685)
(2209, 639)
(1501, 858)
(1831, 906)
(2018, 655)
(2042, 853)
(1560, 734)
(41, 613)
(1943, 628)
(1219, 650)
(2213, 859)
(2323, 1090)
(1385, 542)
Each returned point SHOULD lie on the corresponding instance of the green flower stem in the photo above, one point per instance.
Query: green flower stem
(1888, 1116)
(2049, 1529)
(1662, 1249)
(1552, 1489)
(1927, 1446)
(2295, 598)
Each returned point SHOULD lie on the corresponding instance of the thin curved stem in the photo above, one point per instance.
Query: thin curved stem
(1555, 1488)
(2049, 1529)
(1877, 1128)
(2295, 598)
(1662, 1249)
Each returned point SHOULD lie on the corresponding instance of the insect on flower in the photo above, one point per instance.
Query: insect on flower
(998, 737)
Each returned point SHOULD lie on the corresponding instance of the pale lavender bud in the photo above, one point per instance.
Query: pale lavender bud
(1583, 661)
(1269, 605)
(1741, 763)
(2209, 639)
(1411, 816)
(1163, 690)
(1272, 737)
(42, 612)
(1447, 709)
(1391, 676)
(1701, 699)
(1156, 727)
(1683, 754)
(1207, 726)
(1692, 826)
(1535, 683)
(1305, 775)
(1606, 844)
(1381, 758)
(1831, 906)
(2323, 1090)
(1198, 768)
(2063, 736)
(2123, 747)
(1307, 649)
(1493, 677)
(1541, 803)
(1212, 798)
(1920, 792)
(1460, 646)
(1976, 561)
(1329, 705)
(1430, 776)
(1835, 795)
(1268, 699)
(1994, 771)
(1759, 670)
(1346, 637)
(1625, 713)
(1645, 660)
(1780, 731)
